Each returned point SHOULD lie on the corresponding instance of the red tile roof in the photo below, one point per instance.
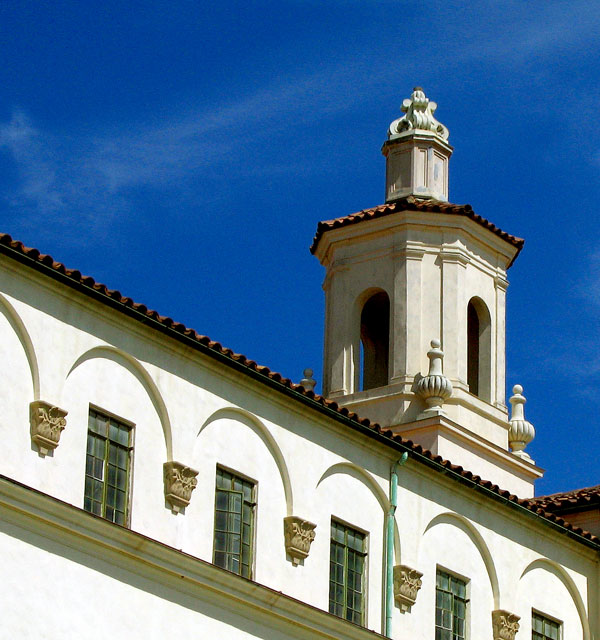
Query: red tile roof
(86, 284)
(413, 204)
(576, 500)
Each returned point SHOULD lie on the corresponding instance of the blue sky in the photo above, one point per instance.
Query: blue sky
(184, 153)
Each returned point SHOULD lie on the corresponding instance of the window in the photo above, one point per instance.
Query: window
(107, 467)
(235, 503)
(375, 341)
(543, 628)
(450, 607)
(347, 573)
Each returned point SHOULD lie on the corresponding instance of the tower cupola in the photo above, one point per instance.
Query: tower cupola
(417, 152)
(414, 271)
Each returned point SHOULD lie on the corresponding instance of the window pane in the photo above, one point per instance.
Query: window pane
(234, 523)
(123, 437)
(235, 502)
(97, 490)
(221, 501)
(222, 479)
(221, 521)
(113, 431)
(121, 478)
(122, 458)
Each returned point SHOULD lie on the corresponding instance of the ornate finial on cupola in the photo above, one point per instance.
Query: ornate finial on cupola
(419, 110)
(434, 388)
(521, 431)
(417, 152)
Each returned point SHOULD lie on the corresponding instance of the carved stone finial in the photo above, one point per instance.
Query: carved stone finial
(434, 388)
(299, 535)
(180, 481)
(504, 624)
(419, 112)
(521, 431)
(308, 382)
(46, 423)
(407, 583)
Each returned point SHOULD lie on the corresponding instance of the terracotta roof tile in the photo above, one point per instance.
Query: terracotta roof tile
(584, 498)
(86, 284)
(413, 204)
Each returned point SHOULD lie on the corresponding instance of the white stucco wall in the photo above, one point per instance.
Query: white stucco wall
(186, 407)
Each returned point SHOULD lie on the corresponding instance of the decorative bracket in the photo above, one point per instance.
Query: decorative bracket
(180, 481)
(299, 535)
(504, 624)
(47, 423)
(407, 583)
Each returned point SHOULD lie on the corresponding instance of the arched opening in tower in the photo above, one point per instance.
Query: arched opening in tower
(375, 341)
(479, 349)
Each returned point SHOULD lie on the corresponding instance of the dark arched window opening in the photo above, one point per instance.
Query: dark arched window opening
(375, 341)
(479, 349)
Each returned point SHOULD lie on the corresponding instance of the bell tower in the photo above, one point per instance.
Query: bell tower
(413, 270)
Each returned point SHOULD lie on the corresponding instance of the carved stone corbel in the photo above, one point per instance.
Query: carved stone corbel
(180, 481)
(299, 535)
(407, 583)
(504, 624)
(47, 423)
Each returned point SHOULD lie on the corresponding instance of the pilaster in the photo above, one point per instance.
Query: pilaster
(453, 312)
(406, 322)
(338, 376)
(501, 285)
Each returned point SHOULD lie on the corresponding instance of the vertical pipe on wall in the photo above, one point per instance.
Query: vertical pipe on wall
(389, 544)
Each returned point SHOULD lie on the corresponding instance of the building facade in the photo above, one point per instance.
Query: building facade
(155, 483)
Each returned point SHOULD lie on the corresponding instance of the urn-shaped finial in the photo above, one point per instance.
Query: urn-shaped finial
(521, 431)
(308, 382)
(434, 388)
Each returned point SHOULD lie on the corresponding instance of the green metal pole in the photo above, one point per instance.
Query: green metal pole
(389, 544)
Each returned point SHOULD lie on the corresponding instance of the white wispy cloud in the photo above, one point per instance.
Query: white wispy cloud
(90, 177)
(515, 32)
(87, 176)
(34, 159)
